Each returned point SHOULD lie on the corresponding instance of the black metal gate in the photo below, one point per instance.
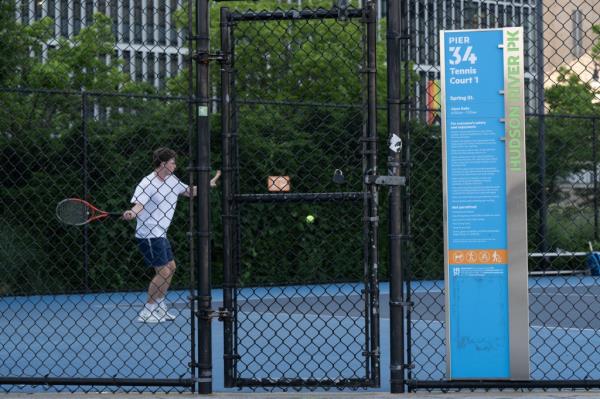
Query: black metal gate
(299, 212)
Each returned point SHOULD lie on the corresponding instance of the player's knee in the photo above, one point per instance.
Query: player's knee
(163, 270)
(169, 269)
(166, 270)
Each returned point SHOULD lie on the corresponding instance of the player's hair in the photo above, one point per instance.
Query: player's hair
(162, 154)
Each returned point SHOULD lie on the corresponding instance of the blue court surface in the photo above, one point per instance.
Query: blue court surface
(95, 335)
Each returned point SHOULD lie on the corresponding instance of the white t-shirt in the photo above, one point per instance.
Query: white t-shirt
(159, 198)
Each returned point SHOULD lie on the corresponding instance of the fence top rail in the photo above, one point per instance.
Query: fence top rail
(283, 15)
(90, 93)
(296, 103)
(302, 197)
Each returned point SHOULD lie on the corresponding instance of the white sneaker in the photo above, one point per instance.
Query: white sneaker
(156, 316)
(168, 316)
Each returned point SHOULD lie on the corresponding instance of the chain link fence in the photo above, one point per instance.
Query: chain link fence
(71, 295)
(88, 91)
(90, 88)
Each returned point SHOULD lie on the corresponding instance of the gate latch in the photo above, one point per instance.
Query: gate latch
(205, 58)
(221, 314)
(385, 180)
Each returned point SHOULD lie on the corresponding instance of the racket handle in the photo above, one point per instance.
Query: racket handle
(115, 214)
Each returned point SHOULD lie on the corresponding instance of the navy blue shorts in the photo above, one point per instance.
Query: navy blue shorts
(157, 251)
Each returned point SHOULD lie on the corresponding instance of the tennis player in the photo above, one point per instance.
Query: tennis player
(154, 202)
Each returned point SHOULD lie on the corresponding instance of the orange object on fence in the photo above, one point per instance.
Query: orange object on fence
(278, 183)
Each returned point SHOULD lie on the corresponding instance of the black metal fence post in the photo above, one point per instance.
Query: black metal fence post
(85, 168)
(543, 209)
(405, 196)
(226, 198)
(203, 199)
(395, 214)
(595, 175)
(372, 209)
(192, 136)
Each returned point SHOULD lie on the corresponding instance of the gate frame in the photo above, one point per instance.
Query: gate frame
(369, 195)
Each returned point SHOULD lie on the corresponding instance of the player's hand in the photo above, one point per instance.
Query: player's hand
(129, 215)
(213, 181)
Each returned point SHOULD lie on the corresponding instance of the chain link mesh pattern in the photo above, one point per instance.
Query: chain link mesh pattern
(563, 113)
(88, 89)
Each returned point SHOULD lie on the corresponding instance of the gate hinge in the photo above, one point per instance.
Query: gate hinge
(401, 367)
(371, 354)
(205, 58)
(222, 314)
(385, 180)
(405, 305)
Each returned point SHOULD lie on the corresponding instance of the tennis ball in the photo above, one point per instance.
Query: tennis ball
(310, 219)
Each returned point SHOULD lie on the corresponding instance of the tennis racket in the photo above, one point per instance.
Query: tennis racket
(77, 212)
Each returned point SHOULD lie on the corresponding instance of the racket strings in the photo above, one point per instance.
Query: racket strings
(73, 212)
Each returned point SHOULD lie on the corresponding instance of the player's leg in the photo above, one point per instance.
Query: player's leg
(157, 284)
(163, 278)
(161, 282)
(157, 254)
(155, 309)
(165, 274)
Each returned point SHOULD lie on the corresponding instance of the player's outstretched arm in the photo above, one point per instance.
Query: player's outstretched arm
(214, 180)
(193, 191)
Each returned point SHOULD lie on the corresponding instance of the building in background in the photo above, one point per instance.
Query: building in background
(153, 48)
(425, 18)
(148, 41)
(569, 42)
(567, 37)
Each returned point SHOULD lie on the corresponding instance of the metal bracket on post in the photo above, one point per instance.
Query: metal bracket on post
(375, 353)
(402, 367)
(385, 180)
(403, 305)
(205, 58)
(222, 314)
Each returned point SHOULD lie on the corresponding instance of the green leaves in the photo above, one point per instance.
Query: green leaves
(82, 62)
(570, 95)
(596, 47)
